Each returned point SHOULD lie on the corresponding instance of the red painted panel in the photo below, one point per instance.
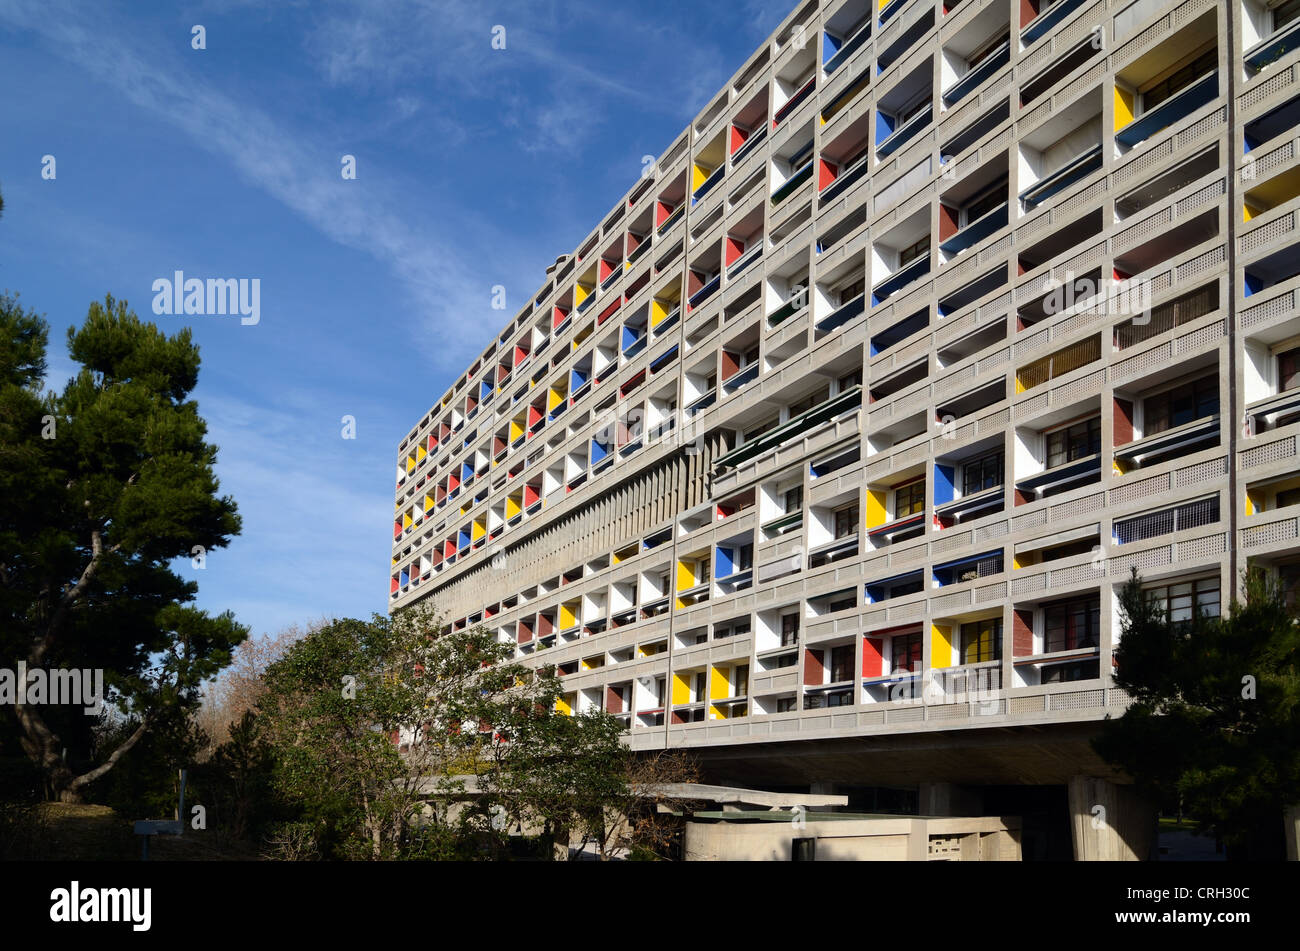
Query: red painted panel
(613, 700)
(826, 172)
(1123, 421)
(948, 221)
(813, 671)
(1022, 639)
(738, 137)
(873, 660)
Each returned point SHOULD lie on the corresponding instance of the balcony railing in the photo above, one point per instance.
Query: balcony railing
(1072, 171)
(755, 137)
(1178, 106)
(903, 133)
(907, 274)
(704, 292)
(793, 183)
(849, 47)
(793, 102)
(739, 379)
(843, 314)
(795, 305)
(1045, 21)
(744, 261)
(972, 80)
(1274, 47)
(976, 231)
(841, 402)
(707, 185)
(671, 220)
(844, 179)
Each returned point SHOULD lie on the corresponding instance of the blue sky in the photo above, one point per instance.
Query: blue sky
(475, 167)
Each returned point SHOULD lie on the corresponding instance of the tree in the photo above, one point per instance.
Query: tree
(105, 484)
(1215, 721)
(370, 722)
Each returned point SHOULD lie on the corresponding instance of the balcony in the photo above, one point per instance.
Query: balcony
(840, 403)
(847, 48)
(1178, 106)
(742, 377)
(794, 101)
(795, 305)
(751, 143)
(1044, 22)
(1274, 47)
(905, 275)
(1170, 444)
(1072, 171)
(972, 80)
(843, 314)
(844, 179)
(792, 183)
(708, 184)
(744, 261)
(904, 133)
(671, 220)
(976, 231)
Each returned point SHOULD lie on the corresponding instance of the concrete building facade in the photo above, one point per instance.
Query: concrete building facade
(826, 453)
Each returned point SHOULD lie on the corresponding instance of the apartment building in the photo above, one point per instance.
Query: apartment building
(826, 452)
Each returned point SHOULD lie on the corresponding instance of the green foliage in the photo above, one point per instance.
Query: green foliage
(1216, 719)
(105, 484)
(398, 739)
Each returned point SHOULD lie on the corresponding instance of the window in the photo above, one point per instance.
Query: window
(987, 50)
(741, 681)
(847, 292)
(1288, 497)
(785, 705)
(1072, 625)
(744, 558)
(905, 649)
(846, 521)
(841, 663)
(1288, 369)
(789, 630)
(840, 698)
(793, 500)
(1180, 405)
(1180, 600)
(907, 113)
(1079, 670)
(909, 254)
(816, 398)
(1153, 524)
(1073, 442)
(1180, 77)
(1285, 12)
(701, 686)
(981, 641)
(995, 197)
(981, 474)
(909, 499)
(661, 691)
(843, 604)
(850, 380)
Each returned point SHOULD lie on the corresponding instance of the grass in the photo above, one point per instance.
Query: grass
(89, 833)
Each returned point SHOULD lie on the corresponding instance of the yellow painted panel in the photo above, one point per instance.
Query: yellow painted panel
(555, 398)
(406, 520)
(657, 312)
(568, 616)
(876, 513)
(685, 575)
(699, 175)
(941, 650)
(410, 463)
(513, 507)
(719, 683)
(1123, 107)
(562, 705)
(681, 690)
(1020, 387)
(515, 430)
(479, 530)
(420, 453)
(1250, 505)
(428, 502)
(580, 294)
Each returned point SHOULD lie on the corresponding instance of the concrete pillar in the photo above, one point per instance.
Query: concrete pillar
(1291, 820)
(1110, 822)
(948, 799)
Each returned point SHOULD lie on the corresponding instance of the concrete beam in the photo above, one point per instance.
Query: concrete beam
(1110, 822)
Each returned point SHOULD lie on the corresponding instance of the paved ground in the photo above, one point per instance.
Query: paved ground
(1181, 845)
